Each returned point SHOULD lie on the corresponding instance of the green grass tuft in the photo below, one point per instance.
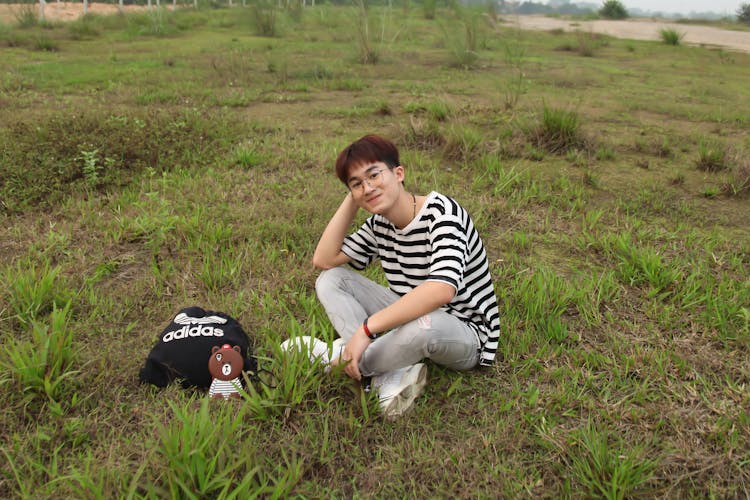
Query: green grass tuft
(671, 36)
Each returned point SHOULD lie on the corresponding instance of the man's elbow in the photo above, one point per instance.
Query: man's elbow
(319, 264)
(446, 293)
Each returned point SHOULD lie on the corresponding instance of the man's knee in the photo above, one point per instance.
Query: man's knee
(328, 279)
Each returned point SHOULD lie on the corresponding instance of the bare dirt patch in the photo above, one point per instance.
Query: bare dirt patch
(639, 29)
(63, 11)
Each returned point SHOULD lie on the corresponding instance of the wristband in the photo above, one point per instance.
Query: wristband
(370, 335)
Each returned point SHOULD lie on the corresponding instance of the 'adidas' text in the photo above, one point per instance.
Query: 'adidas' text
(193, 331)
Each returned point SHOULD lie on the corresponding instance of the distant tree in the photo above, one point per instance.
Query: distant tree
(743, 13)
(613, 9)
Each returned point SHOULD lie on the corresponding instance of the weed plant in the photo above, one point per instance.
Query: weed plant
(368, 54)
(84, 28)
(265, 18)
(196, 168)
(26, 15)
(462, 37)
(712, 157)
(34, 291)
(557, 131)
(671, 36)
(42, 366)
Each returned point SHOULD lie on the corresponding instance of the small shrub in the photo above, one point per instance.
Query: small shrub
(671, 36)
(437, 110)
(156, 22)
(604, 153)
(43, 364)
(613, 9)
(515, 84)
(463, 143)
(557, 132)
(34, 291)
(367, 53)
(712, 157)
(607, 467)
(462, 39)
(586, 43)
(248, 156)
(382, 108)
(84, 28)
(265, 18)
(26, 16)
(45, 43)
(423, 134)
(743, 13)
(738, 183)
(429, 7)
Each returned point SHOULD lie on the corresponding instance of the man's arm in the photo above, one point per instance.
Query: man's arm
(422, 300)
(328, 253)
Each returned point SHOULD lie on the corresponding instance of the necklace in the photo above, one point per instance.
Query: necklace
(414, 205)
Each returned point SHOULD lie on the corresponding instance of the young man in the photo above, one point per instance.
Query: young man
(440, 303)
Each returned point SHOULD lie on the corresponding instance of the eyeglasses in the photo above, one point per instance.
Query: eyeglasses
(373, 178)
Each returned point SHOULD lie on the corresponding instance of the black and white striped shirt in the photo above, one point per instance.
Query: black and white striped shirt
(440, 244)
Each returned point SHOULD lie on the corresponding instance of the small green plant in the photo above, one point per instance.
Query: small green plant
(248, 156)
(712, 157)
(92, 165)
(671, 36)
(35, 291)
(586, 43)
(463, 143)
(199, 451)
(604, 153)
(423, 134)
(42, 365)
(710, 192)
(738, 182)
(84, 28)
(429, 8)
(461, 35)
(558, 131)
(265, 18)
(613, 9)
(45, 43)
(607, 469)
(515, 81)
(438, 110)
(643, 265)
(220, 269)
(542, 299)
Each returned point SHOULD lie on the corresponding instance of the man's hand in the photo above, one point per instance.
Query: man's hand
(352, 353)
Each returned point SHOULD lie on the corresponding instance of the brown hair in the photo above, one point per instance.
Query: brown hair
(369, 149)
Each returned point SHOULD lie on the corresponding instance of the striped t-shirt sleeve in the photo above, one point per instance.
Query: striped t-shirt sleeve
(448, 242)
(361, 246)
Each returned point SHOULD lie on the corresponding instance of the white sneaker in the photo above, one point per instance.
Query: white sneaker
(397, 389)
(315, 349)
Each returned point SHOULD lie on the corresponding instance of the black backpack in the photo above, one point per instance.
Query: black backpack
(184, 347)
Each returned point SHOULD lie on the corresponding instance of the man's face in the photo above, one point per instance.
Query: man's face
(374, 186)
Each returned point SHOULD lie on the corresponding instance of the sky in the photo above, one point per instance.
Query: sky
(685, 6)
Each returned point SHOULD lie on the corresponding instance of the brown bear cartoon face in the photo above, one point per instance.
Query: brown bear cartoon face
(226, 362)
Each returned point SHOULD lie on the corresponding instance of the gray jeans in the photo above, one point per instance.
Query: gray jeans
(349, 298)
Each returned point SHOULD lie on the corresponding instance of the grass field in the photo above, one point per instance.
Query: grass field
(160, 160)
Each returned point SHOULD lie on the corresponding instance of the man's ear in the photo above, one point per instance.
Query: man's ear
(399, 173)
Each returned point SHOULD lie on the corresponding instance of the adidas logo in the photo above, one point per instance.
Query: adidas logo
(193, 331)
(184, 319)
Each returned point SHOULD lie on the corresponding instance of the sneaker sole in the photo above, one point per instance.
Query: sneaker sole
(404, 400)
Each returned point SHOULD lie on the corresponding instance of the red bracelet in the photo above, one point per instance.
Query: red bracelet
(370, 335)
